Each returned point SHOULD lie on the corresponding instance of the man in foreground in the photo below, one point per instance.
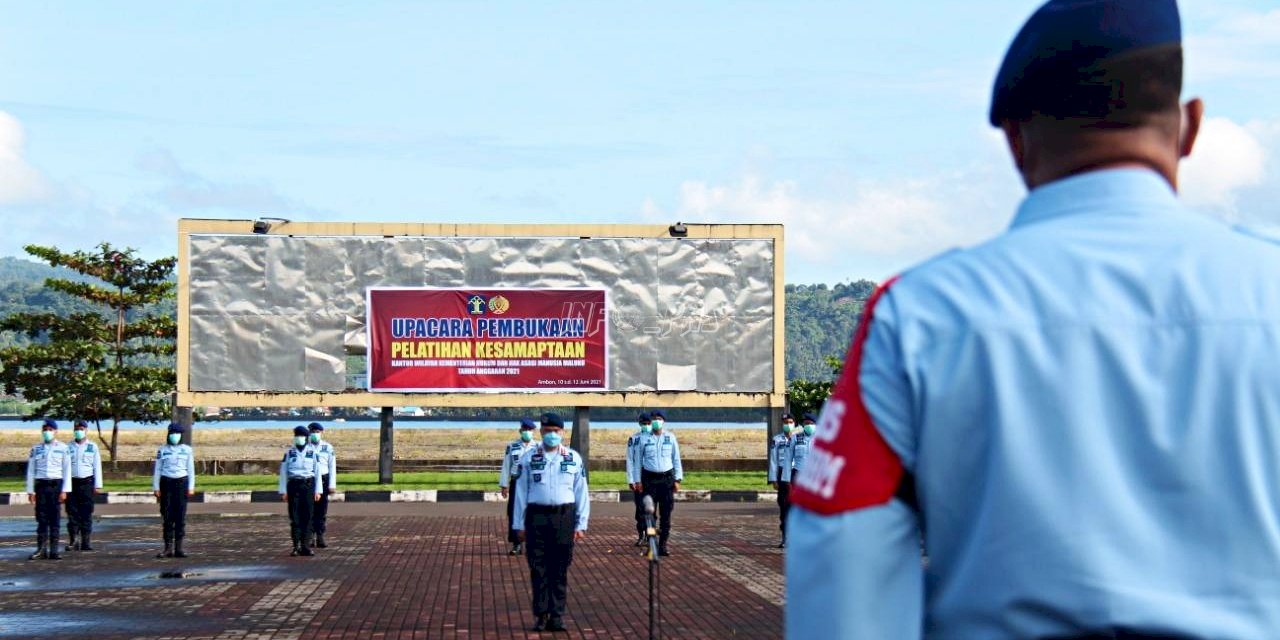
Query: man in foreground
(1080, 415)
(551, 513)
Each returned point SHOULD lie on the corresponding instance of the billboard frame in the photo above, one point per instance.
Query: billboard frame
(187, 227)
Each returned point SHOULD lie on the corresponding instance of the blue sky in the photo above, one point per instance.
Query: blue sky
(859, 125)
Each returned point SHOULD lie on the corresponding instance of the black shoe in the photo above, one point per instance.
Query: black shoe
(305, 551)
(320, 542)
(177, 549)
(74, 544)
(540, 624)
(515, 550)
(556, 624)
(294, 552)
(783, 544)
(662, 551)
(84, 542)
(168, 551)
(40, 552)
(640, 540)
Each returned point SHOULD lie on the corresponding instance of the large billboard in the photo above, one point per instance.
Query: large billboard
(278, 314)
(465, 339)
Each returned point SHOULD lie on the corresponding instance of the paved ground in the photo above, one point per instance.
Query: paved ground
(392, 571)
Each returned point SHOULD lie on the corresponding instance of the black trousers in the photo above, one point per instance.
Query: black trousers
(320, 512)
(48, 511)
(638, 498)
(549, 549)
(784, 502)
(511, 512)
(80, 506)
(301, 494)
(173, 507)
(661, 487)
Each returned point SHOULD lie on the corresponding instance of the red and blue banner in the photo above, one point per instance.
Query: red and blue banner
(487, 339)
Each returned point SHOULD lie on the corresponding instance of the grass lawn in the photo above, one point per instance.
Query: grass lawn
(368, 481)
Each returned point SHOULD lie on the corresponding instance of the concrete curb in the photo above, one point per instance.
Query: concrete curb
(422, 495)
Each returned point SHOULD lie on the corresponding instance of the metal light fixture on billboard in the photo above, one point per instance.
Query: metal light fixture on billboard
(261, 225)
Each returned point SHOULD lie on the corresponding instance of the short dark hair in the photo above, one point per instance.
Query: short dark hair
(1132, 89)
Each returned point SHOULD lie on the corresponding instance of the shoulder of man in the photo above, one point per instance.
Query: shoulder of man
(36, 449)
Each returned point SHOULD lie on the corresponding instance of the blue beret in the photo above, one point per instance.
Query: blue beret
(527, 424)
(655, 414)
(176, 428)
(643, 418)
(552, 420)
(809, 417)
(787, 416)
(315, 426)
(1066, 37)
(82, 423)
(49, 423)
(301, 431)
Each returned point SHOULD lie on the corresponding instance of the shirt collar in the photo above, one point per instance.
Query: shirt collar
(1094, 191)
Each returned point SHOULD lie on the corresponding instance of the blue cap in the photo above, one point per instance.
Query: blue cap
(527, 424)
(643, 418)
(82, 423)
(552, 420)
(809, 417)
(301, 431)
(787, 416)
(1061, 42)
(49, 423)
(176, 428)
(657, 414)
(315, 426)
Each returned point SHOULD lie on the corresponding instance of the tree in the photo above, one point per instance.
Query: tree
(807, 396)
(99, 364)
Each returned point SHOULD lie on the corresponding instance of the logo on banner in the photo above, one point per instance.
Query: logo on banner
(499, 305)
(476, 304)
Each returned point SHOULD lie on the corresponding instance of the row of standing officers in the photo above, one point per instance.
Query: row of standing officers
(60, 473)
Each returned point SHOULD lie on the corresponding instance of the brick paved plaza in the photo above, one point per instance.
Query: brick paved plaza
(392, 571)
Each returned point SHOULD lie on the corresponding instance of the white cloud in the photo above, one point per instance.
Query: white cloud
(19, 181)
(1233, 44)
(863, 228)
(1227, 158)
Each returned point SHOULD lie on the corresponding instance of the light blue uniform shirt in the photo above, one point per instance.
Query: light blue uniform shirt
(551, 478)
(327, 461)
(634, 446)
(796, 453)
(50, 461)
(175, 461)
(660, 453)
(86, 461)
(1090, 406)
(301, 463)
(511, 460)
(777, 454)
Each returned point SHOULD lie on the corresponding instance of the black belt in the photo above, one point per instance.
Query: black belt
(551, 508)
(48, 480)
(297, 478)
(670, 473)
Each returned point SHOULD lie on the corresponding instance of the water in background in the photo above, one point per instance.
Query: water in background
(400, 424)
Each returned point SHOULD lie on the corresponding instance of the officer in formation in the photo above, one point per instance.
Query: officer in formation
(1077, 466)
(510, 465)
(792, 461)
(779, 453)
(48, 482)
(300, 487)
(551, 512)
(327, 460)
(634, 447)
(660, 473)
(86, 480)
(173, 482)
